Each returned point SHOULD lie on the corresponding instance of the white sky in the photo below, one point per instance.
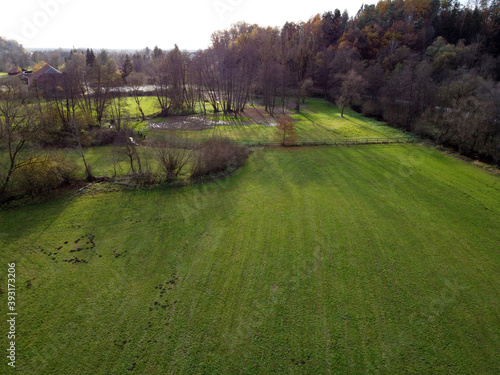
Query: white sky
(118, 24)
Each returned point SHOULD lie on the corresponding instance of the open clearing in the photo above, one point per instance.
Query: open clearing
(366, 259)
(318, 120)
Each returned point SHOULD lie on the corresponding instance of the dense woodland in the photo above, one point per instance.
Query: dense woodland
(428, 66)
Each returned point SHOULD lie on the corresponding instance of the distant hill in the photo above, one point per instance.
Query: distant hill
(12, 54)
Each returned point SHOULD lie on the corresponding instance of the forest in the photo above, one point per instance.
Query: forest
(429, 67)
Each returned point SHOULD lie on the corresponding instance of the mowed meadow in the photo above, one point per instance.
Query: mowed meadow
(378, 259)
(318, 121)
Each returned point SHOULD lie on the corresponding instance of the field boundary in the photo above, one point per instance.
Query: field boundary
(336, 142)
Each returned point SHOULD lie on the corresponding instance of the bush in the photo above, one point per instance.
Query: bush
(371, 108)
(173, 154)
(101, 137)
(52, 134)
(146, 178)
(46, 175)
(216, 156)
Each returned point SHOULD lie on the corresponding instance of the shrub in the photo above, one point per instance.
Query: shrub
(173, 154)
(146, 178)
(218, 155)
(101, 137)
(46, 175)
(125, 144)
(371, 109)
(52, 134)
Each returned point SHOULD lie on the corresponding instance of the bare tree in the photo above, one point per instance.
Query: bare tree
(353, 86)
(103, 77)
(300, 41)
(136, 80)
(228, 68)
(130, 150)
(305, 89)
(118, 111)
(268, 74)
(183, 91)
(161, 79)
(173, 154)
(18, 126)
(172, 80)
(76, 133)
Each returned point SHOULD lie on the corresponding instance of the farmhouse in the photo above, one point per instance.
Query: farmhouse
(47, 75)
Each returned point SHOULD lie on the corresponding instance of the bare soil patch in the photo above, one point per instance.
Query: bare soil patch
(251, 116)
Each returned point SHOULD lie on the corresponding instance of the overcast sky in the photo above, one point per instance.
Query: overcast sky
(115, 24)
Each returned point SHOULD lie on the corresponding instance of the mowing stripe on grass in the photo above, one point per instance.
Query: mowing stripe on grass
(372, 259)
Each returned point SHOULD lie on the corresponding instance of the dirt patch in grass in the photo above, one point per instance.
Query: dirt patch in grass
(197, 123)
(251, 116)
(261, 117)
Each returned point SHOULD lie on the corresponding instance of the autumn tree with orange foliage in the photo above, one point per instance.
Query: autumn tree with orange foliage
(286, 133)
(39, 66)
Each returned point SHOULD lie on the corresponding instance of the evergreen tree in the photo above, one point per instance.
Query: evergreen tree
(128, 67)
(157, 52)
(90, 59)
(103, 56)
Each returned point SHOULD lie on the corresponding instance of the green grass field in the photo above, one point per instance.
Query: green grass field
(341, 260)
(319, 120)
(148, 104)
(107, 160)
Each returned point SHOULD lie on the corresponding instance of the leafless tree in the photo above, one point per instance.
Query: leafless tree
(130, 150)
(268, 74)
(353, 86)
(228, 68)
(300, 41)
(136, 80)
(161, 79)
(173, 154)
(104, 77)
(118, 111)
(18, 126)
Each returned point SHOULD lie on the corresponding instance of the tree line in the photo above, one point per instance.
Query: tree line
(428, 66)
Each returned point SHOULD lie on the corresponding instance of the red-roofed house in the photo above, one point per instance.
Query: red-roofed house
(47, 74)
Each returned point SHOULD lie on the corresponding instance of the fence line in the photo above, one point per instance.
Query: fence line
(336, 142)
(195, 143)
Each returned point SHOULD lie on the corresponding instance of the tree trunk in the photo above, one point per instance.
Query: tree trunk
(5, 183)
(88, 171)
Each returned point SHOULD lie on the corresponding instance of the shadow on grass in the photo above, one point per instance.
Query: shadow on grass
(21, 222)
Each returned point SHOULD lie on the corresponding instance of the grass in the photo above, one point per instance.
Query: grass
(367, 259)
(105, 160)
(149, 105)
(319, 120)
